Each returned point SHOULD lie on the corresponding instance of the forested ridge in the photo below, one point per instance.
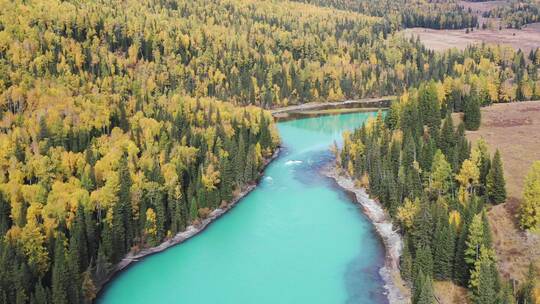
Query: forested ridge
(434, 14)
(122, 122)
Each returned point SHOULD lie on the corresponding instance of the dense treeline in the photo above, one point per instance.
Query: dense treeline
(517, 13)
(262, 53)
(434, 14)
(436, 186)
(276, 54)
(102, 150)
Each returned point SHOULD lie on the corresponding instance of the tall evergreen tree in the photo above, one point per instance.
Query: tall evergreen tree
(472, 114)
(423, 261)
(443, 249)
(60, 274)
(426, 292)
(496, 185)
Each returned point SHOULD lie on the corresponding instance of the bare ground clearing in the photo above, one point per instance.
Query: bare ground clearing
(526, 39)
(514, 129)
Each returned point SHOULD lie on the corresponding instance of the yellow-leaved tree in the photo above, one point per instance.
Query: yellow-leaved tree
(530, 206)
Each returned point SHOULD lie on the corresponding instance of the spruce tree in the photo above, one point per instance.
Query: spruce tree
(60, 274)
(475, 240)
(448, 137)
(484, 280)
(193, 210)
(426, 292)
(41, 294)
(443, 249)
(406, 265)
(78, 240)
(472, 114)
(430, 108)
(496, 185)
(103, 266)
(423, 261)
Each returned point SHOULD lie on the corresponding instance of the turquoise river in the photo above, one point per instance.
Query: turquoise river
(297, 238)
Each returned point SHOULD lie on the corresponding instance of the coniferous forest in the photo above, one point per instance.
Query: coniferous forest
(124, 122)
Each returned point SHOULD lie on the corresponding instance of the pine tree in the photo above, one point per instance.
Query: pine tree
(475, 240)
(430, 108)
(426, 292)
(265, 136)
(193, 210)
(530, 206)
(484, 278)
(60, 274)
(443, 249)
(472, 114)
(423, 261)
(240, 161)
(406, 266)
(496, 185)
(103, 266)
(40, 296)
(78, 240)
(461, 268)
(448, 137)
(226, 185)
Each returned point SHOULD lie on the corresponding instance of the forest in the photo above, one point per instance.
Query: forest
(123, 122)
(410, 13)
(516, 14)
(436, 186)
(427, 175)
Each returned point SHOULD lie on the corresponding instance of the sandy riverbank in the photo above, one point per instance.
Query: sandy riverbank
(190, 231)
(397, 291)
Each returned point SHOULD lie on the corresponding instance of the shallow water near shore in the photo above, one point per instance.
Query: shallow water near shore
(297, 238)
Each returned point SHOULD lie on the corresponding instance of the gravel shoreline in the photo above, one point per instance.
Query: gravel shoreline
(397, 291)
(180, 237)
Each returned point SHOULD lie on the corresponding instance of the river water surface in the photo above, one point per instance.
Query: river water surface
(296, 238)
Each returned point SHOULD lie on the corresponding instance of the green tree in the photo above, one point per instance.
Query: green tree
(441, 174)
(472, 114)
(426, 292)
(530, 205)
(484, 278)
(406, 265)
(60, 274)
(193, 210)
(475, 240)
(496, 185)
(423, 261)
(443, 249)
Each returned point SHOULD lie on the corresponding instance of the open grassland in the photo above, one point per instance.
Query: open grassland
(514, 129)
(525, 39)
